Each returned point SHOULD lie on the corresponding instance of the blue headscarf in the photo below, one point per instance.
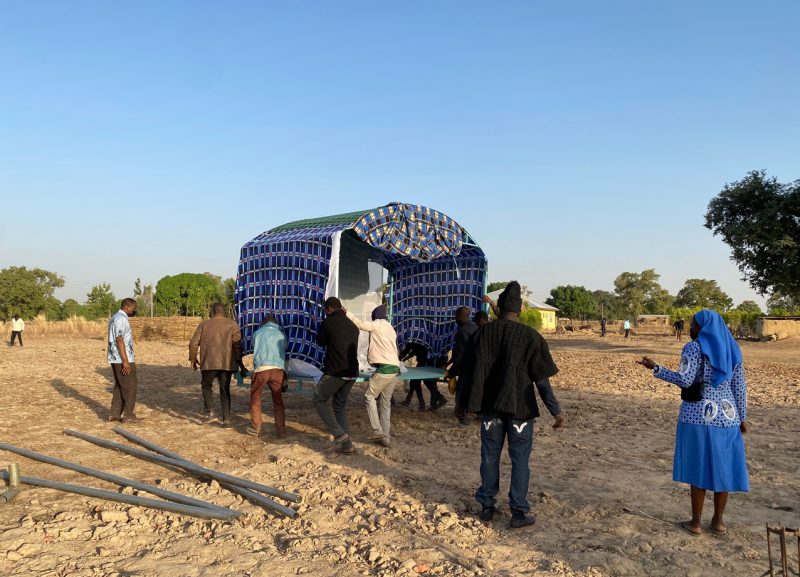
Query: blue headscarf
(718, 344)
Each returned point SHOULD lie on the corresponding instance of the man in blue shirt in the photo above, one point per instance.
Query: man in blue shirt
(269, 354)
(123, 365)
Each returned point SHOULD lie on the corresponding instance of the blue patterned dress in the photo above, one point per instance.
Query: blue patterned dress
(709, 449)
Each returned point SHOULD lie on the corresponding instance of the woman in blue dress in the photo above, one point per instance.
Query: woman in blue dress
(709, 449)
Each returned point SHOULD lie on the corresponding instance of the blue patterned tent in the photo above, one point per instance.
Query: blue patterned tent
(434, 266)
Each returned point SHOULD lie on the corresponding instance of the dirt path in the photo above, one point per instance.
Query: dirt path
(601, 488)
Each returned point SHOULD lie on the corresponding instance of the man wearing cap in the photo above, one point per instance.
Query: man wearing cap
(509, 358)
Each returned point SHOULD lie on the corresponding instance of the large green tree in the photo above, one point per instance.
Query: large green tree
(186, 294)
(749, 307)
(100, 302)
(574, 302)
(703, 293)
(780, 305)
(641, 293)
(608, 304)
(72, 308)
(759, 218)
(27, 292)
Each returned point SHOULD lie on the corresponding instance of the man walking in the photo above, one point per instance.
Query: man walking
(603, 327)
(123, 364)
(464, 332)
(626, 326)
(219, 342)
(339, 336)
(678, 326)
(17, 326)
(269, 361)
(384, 357)
(509, 358)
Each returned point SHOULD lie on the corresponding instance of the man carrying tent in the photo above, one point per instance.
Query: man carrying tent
(269, 361)
(459, 361)
(339, 336)
(219, 342)
(384, 357)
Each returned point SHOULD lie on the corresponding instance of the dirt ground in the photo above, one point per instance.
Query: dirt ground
(601, 487)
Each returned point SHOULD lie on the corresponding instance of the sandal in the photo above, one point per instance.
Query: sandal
(250, 430)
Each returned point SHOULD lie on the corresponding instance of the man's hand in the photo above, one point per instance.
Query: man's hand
(558, 421)
(126, 368)
(487, 299)
(743, 428)
(195, 364)
(647, 362)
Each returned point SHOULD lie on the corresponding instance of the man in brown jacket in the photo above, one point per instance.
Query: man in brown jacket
(219, 342)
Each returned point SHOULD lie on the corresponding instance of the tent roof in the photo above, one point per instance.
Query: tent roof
(532, 303)
(344, 220)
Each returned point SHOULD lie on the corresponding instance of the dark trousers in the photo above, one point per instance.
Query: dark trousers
(16, 335)
(494, 431)
(333, 388)
(602, 330)
(415, 388)
(123, 399)
(627, 332)
(224, 379)
(272, 379)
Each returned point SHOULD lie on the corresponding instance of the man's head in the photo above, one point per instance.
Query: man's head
(481, 318)
(16, 317)
(218, 310)
(380, 313)
(510, 300)
(269, 319)
(332, 305)
(462, 315)
(128, 306)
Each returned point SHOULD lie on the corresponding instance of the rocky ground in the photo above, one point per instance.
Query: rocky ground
(601, 487)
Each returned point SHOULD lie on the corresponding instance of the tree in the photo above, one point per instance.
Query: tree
(496, 286)
(759, 218)
(574, 302)
(704, 294)
(144, 298)
(186, 294)
(781, 305)
(749, 307)
(71, 308)
(229, 292)
(100, 302)
(27, 292)
(608, 304)
(531, 318)
(640, 293)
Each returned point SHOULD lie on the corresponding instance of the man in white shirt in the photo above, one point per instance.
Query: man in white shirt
(123, 365)
(17, 326)
(384, 357)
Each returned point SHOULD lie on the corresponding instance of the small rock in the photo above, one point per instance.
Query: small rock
(26, 550)
(214, 485)
(103, 552)
(26, 521)
(114, 517)
(127, 490)
(135, 512)
(13, 556)
(420, 569)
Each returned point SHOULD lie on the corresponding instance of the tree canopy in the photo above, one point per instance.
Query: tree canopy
(186, 294)
(759, 219)
(27, 292)
(100, 302)
(574, 302)
(749, 307)
(704, 294)
(641, 293)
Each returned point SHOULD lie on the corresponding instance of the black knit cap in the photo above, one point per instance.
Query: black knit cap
(510, 300)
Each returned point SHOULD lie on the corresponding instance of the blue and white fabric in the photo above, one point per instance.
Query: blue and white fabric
(434, 267)
(120, 326)
(719, 346)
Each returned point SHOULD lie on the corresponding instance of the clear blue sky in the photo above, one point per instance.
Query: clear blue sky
(574, 140)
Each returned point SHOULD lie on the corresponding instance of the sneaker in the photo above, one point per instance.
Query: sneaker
(209, 418)
(386, 442)
(112, 419)
(346, 448)
(487, 514)
(376, 436)
(520, 520)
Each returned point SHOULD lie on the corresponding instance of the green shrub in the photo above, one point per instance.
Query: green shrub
(532, 318)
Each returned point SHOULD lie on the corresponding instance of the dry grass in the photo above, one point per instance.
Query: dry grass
(74, 327)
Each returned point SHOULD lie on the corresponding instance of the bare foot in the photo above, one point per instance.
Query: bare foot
(718, 528)
(691, 528)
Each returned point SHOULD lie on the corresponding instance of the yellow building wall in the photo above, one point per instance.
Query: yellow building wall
(548, 320)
